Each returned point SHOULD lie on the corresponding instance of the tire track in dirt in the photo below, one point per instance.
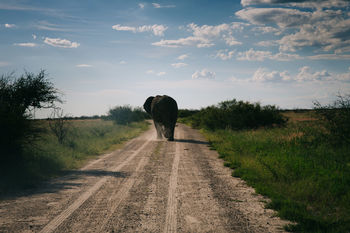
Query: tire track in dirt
(53, 224)
(198, 210)
(171, 214)
(123, 192)
(152, 203)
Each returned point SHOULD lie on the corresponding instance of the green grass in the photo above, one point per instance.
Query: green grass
(306, 177)
(47, 158)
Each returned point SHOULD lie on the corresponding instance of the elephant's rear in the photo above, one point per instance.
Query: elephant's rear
(165, 109)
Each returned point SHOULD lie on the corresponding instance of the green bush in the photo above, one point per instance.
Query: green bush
(235, 114)
(336, 118)
(18, 98)
(124, 115)
(186, 113)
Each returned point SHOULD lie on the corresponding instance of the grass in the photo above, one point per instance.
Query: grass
(48, 158)
(306, 177)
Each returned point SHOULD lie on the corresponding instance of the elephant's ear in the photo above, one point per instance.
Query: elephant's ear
(147, 104)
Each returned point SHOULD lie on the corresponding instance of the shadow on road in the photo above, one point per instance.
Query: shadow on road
(69, 180)
(191, 141)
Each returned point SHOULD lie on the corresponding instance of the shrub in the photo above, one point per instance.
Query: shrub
(186, 113)
(18, 98)
(235, 114)
(336, 118)
(124, 115)
(59, 125)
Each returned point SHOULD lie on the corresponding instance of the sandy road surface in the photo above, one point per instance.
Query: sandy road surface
(147, 186)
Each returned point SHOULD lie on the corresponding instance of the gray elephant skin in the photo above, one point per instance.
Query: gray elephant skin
(163, 110)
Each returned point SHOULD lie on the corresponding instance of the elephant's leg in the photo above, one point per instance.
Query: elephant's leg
(170, 132)
(172, 129)
(159, 130)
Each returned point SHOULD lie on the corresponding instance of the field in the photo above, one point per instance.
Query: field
(48, 157)
(305, 174)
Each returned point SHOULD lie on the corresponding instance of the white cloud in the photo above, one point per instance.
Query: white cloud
(206, 74)
(7, 25)
(264, 75)
(283, 17)
(83, 65)
(118, 27)
(178, 65)
(25, 44)
(231, 41)
(328, 30)
(204, 36)
(253, 55)
(157, 5)
(4, 63)
(330, 57)
(285, 56)
(208, 31)
(300, 3)
(45, 25)
(122, 62)
(321, 29)
(157, 30)
(61, 43)
(182, 57)
(188, 41)
(266, 29)
(256, 55)
(267, 43)
(225, 54)
(305, 74)
(345, 77)
(161, 73)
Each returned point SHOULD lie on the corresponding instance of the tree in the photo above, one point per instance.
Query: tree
(18, 98)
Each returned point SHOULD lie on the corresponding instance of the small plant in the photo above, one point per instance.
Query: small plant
(336, 118)
(59, 125)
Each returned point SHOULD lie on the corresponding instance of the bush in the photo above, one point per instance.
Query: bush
(186, 113)
(336, 118)
(124, 115)
(235, 114)
(18, 98)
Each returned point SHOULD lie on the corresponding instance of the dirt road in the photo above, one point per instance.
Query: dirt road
(147, 186)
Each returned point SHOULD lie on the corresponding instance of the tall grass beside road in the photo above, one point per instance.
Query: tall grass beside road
(48, 157)
(303, 167)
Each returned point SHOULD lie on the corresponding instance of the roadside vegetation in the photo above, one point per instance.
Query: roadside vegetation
(126, 114)
(302, 165)
(34, 150)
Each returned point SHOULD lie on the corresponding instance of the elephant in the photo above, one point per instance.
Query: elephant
(164, 111)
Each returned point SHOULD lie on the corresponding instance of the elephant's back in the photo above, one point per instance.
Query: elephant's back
(164, 106)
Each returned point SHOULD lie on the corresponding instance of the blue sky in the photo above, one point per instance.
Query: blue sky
(100, 54)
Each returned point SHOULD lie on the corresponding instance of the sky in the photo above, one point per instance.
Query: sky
(102, 54)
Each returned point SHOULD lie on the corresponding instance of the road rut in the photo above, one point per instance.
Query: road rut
(149, 185)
